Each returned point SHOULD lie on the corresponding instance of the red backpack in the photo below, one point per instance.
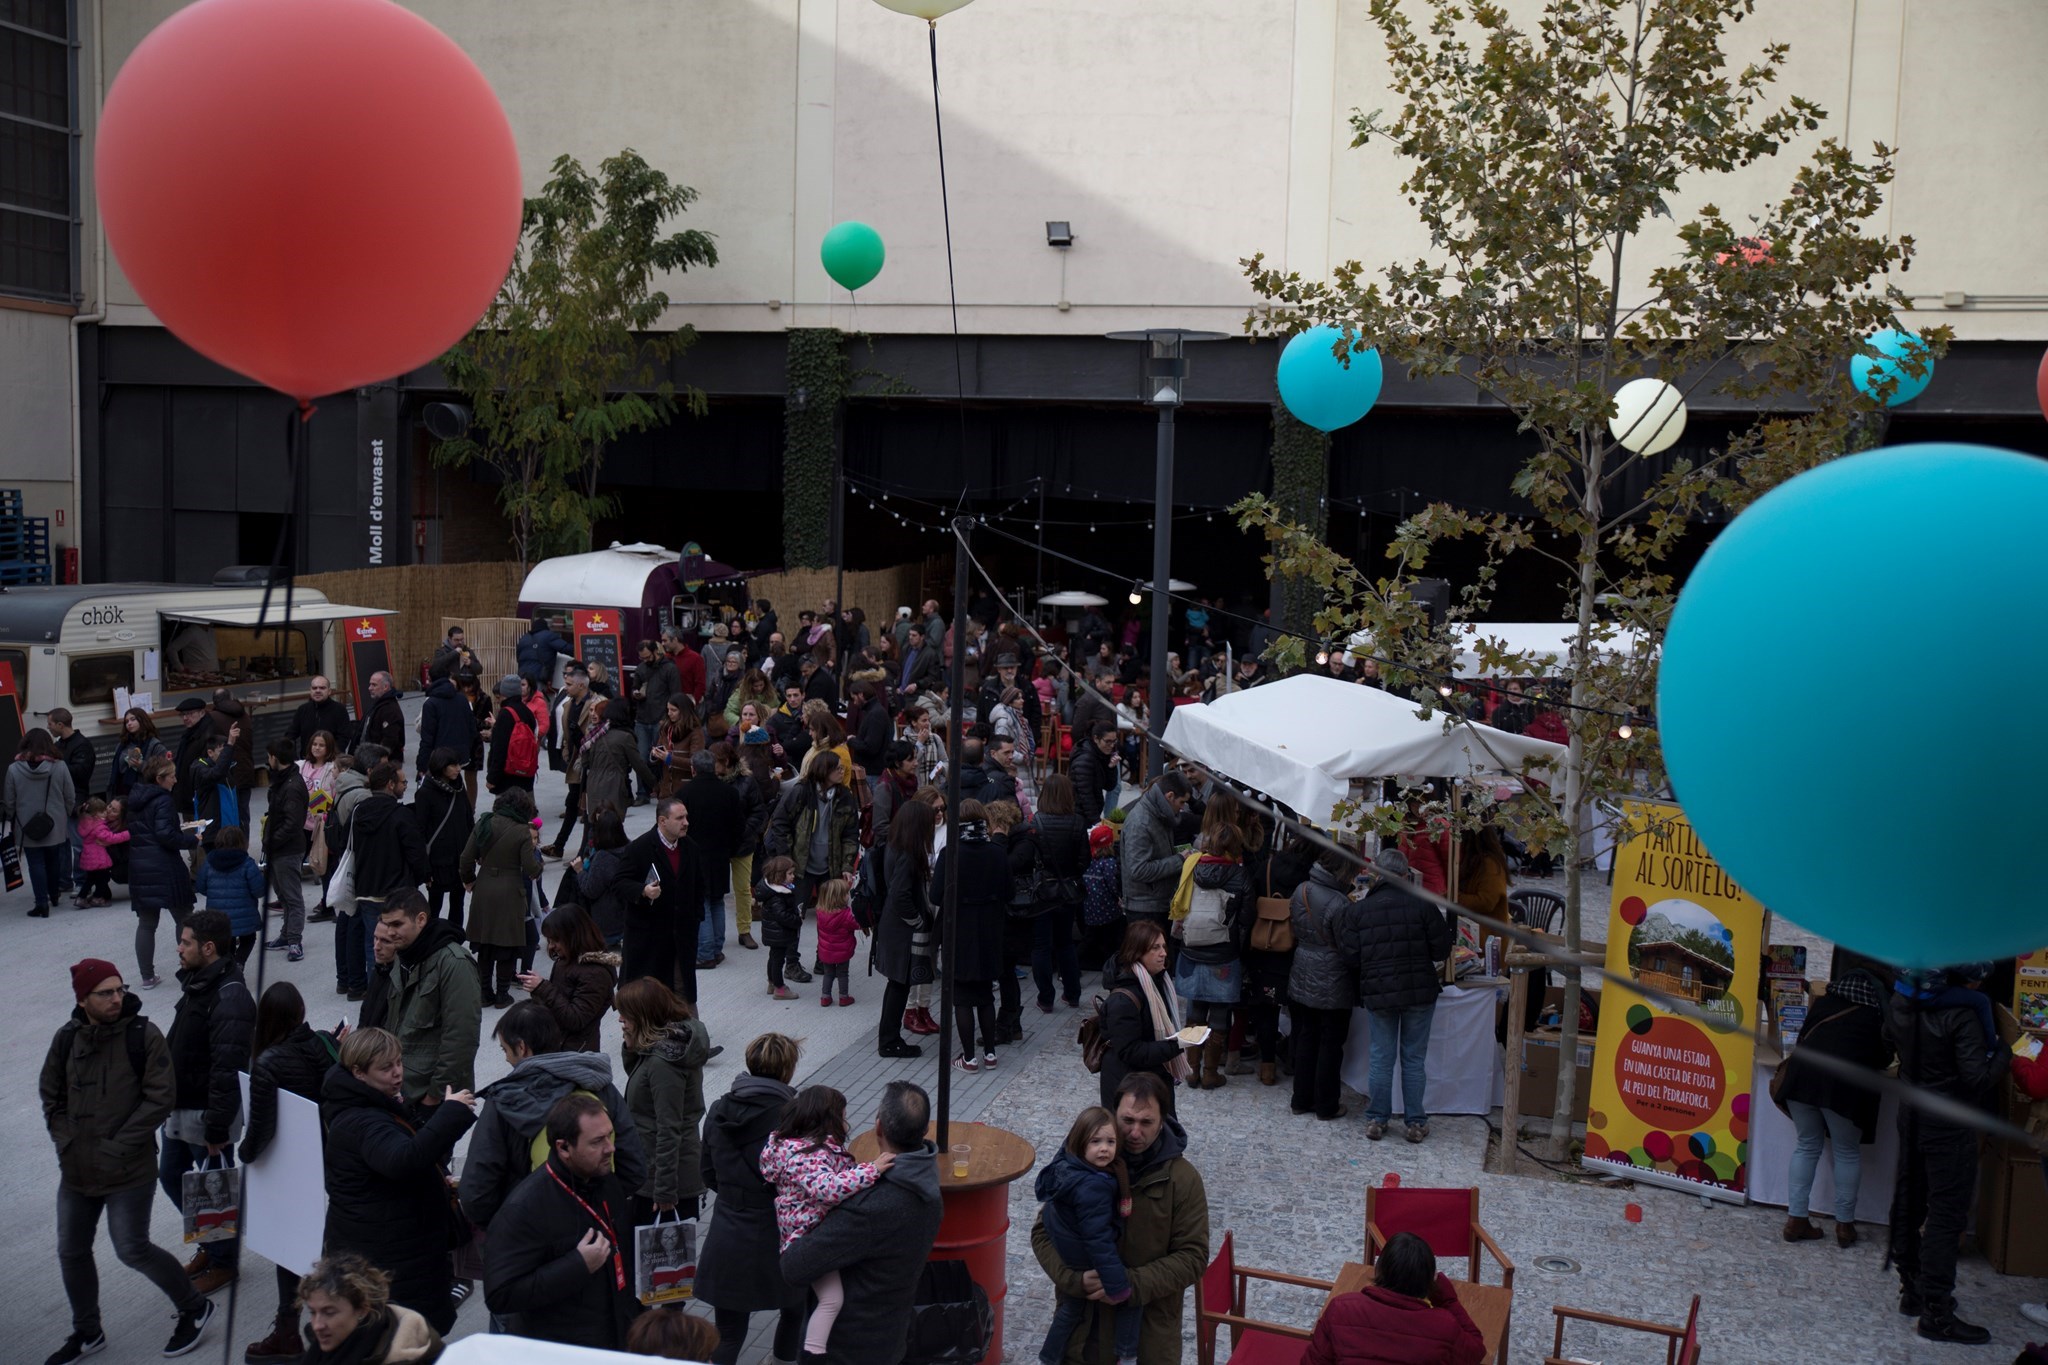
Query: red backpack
(522, 751)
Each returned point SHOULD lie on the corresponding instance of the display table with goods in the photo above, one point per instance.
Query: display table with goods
(1465, 1063)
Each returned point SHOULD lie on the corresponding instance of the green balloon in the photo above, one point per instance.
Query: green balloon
(852, 253)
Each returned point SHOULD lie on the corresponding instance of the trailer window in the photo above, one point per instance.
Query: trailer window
(95, 676)
(198, 655)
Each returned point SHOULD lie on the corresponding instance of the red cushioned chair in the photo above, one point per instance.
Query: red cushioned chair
(1219, 1300)
(1682, 1348)
(1447, 1219)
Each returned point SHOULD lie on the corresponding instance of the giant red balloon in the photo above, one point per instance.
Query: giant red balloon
(2041, 384)
(320, 194)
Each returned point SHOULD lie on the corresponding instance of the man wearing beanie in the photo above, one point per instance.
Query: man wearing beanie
(106, 1086)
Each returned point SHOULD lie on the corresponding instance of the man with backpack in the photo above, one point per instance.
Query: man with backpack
(106, 1085)
(510, 1141)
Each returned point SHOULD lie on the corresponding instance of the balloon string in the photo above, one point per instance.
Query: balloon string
(282, 560)
(946, 211)
(284, 557)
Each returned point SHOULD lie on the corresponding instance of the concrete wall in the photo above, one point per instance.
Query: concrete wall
(35, 415)
(1176, 138)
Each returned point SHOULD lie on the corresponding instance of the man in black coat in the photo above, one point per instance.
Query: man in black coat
(209, 1041)
(820, 682)
(383, 720)
(322, 712)
(1401, 941)
(191, 748)
(447, 721)
(1938, 1022)
(284, 845)
(718, 825)
(786, 724)
(663, 920)
(1007, 675)
(1093, 772)
(878, 1240)
(557, 1262)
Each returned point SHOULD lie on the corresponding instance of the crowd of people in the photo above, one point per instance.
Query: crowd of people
(802, 777)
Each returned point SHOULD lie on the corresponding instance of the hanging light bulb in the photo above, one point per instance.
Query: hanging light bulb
(1322, 655)
(1137, 596)
(1444, 688)
(1626, 731)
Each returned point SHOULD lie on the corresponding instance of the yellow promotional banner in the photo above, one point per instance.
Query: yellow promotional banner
(2030, 990)
(1671, 1095)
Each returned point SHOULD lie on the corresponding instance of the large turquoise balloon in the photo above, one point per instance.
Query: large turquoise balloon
(1892, 346)
(1829, 700)
(852, 253)
(1322, 390)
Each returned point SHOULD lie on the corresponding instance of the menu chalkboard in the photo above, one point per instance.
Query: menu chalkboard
(368, 652)
(597, 641)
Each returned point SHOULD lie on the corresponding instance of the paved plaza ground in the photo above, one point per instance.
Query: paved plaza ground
(1291, 1188)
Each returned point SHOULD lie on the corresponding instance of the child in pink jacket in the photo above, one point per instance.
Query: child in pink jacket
(806, 1161)
(837, 938)
(96, 887)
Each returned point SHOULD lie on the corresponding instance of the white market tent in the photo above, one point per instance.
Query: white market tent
(1303, 740)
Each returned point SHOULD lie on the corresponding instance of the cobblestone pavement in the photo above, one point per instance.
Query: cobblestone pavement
(1291, 1188)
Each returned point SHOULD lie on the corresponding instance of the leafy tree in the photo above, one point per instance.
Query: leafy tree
(1540, 159)
(566, 360)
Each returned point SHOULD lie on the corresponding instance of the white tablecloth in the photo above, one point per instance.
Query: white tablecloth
(1772, 1138)
(1465, 1064)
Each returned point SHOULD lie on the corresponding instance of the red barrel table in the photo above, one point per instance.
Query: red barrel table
(976, 1226)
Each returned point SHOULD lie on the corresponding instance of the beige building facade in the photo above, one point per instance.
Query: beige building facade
(1173, 138)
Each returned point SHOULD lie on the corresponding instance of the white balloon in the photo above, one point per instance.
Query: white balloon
(924, 9)
(1649, 416)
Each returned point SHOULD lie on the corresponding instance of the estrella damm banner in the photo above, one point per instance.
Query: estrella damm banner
(1671, 1094)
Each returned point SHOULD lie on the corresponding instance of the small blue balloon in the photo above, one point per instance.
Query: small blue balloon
(1322, 390)
(1790, 734)
(1893, 346)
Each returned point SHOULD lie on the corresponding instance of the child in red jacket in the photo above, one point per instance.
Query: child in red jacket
(1409, 1315)
(838, 934)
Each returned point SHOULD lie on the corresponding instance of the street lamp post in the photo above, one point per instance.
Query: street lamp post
(1164, 387)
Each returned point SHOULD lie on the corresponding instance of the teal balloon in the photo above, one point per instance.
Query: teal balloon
(1892, 346)
(1783, 715)
(852, 253)
(1322, 390)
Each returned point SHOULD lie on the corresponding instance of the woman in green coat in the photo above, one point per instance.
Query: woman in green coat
(666, 1048)
(498, 860)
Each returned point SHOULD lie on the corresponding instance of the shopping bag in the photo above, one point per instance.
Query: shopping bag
(212, 1201)
(341, 886)
(665, 1259)
(10, 860)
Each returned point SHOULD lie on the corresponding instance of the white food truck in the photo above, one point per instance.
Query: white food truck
(97, 648)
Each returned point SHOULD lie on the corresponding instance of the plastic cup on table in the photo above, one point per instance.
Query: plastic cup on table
(961, 1151)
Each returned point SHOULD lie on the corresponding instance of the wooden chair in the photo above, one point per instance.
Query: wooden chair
(1219, 1301)
(1447, 1219)
(1682, 1348)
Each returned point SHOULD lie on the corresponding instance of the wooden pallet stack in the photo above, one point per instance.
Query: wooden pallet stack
(24, 543)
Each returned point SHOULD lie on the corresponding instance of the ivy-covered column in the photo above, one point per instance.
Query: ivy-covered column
(1301, 482)
(815, 398)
